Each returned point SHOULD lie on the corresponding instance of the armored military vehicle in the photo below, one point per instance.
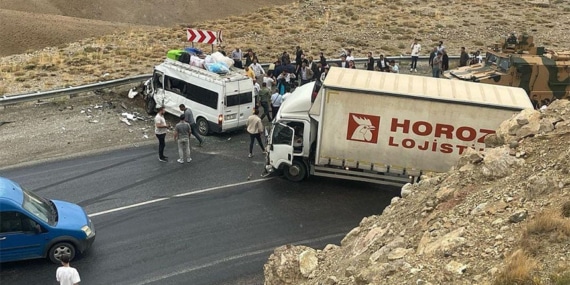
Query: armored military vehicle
(544, 74)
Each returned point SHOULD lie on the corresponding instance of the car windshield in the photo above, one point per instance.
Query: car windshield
(40, 207)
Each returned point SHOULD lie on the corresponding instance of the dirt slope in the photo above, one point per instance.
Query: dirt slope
(39, 23)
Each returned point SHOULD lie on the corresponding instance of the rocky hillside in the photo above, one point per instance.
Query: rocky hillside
(379, 26)
(499, 217)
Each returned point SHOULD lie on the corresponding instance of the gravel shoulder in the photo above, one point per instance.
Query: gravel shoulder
(67, 127)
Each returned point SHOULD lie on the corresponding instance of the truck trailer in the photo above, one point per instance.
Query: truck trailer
(383, 127)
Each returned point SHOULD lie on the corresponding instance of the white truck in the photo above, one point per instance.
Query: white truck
(384, 127)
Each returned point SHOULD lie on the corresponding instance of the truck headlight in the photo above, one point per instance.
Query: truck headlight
(87, 230)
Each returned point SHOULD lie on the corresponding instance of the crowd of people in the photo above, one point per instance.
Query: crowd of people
(272, 86)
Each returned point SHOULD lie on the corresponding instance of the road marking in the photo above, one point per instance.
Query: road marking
(232, 258)
(175, 196)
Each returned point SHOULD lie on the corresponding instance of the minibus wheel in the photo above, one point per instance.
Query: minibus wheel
(59, 249)
(203, 127)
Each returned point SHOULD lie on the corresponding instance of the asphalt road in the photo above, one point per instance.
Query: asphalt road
(212, 221)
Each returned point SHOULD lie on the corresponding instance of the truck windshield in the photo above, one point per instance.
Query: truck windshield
(40, 207)
(282, 134)
(503, 63)
(491, 58)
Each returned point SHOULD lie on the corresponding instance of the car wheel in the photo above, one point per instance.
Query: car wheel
(296, 172)
(203, 127)
(150, 105)
(59, 249)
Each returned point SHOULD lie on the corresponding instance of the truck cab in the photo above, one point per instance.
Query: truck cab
(292, 135)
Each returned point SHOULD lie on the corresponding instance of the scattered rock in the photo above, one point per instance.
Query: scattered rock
(518, 216)
(456, 267)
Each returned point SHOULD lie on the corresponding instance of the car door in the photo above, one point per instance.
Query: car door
(20, 237)
(281, 146)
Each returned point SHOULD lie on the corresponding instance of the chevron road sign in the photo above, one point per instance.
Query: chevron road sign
(204, 36)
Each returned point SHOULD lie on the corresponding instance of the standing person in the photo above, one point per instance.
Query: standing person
(237, 55)
(256, 89)
(436, 65)
(440, 47)
(65, 274)
(349, 56)
(305, 73)
(264, 98)
(444, 61)
(268, 80)
(160, 129)
(463, 58)
(382, 63)
(189, 118)
(257, 69)
(370, 63)
(255, 129)
(249, 57)
(182, 137)
(432, 55)
(276, 100)
(322, 59)
(343, 62)
(298, 57)
(416, 49)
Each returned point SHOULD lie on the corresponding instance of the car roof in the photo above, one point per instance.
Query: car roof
(10, 191)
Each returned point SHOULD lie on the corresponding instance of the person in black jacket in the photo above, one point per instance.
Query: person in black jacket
(382, 64)
(322, 59)
(432, 55)
(444, 61)
(370, 63)
(463, 58)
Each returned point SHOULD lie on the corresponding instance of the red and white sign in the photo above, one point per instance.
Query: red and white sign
(363, 128)
(204, 36)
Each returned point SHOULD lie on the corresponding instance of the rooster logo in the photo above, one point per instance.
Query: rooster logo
(363, 128)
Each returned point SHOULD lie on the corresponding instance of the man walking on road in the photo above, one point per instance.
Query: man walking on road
(160, 129)
(264, 98)
(182, 137)
(255, 129)
(189, 118)
(65, 274)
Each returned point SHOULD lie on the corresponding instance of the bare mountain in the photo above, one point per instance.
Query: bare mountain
(34, 24)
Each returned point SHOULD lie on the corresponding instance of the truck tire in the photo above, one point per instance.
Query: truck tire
(150, 105)
(203, 126)
(59, 249)
(296, 172)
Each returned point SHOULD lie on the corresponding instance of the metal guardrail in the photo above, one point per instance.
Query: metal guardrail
(14, 99)
(19, 98)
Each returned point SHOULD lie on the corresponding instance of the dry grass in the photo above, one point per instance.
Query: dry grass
(316, 26)
(518, 270)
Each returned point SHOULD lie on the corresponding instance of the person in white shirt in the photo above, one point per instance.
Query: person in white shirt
(349, 55)
(276, 100)
(394, 68)
(416, 49)
(256, 89)
(268, 81)
(257, 69)
(65, 274)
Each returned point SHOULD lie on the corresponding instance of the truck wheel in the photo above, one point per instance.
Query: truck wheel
(150, 105)
(59, 249)
(296, 172)
(203, 127)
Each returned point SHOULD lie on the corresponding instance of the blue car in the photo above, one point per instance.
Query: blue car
(35, 227)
